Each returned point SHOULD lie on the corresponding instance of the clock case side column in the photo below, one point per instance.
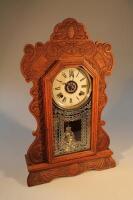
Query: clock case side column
(102, 62)
(30, 61)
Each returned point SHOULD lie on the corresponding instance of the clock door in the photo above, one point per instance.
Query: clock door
(72, 106)
(71, 102)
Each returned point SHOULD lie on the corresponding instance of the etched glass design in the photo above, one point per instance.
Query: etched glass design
(72, 129)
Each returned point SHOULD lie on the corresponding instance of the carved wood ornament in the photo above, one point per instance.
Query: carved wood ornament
(68, 45)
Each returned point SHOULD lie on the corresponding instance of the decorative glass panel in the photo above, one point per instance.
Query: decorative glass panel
(72, 129)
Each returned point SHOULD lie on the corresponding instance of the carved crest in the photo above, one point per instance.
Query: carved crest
(69, 29)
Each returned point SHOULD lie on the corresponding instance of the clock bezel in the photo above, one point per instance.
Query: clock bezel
(82, 103)
(47, 102)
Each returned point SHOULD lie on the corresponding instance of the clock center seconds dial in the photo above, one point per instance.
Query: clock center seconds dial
(71, 87)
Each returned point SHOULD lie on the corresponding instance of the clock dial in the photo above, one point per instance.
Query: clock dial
(71, 87)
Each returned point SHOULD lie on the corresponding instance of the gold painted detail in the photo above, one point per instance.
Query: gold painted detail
(68, 142)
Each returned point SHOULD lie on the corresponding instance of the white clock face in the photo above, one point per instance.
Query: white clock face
(71, 87)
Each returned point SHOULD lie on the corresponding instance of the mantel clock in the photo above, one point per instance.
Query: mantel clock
(68, 75)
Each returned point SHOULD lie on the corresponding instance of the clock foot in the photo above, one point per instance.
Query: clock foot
(45, 176)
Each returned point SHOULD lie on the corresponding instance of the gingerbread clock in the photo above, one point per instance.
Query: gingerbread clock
(68, 75)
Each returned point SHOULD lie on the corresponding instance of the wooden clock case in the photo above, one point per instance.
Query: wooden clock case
(68, 45)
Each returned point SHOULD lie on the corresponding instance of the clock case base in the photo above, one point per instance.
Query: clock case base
(44, 172)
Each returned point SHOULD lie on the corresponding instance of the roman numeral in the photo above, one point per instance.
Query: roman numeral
(77, 98)
(70, 100)
(60, 95)
(77, 74)
(57, 88)
(60, 81)
(82, 79)
(64, 99)
(83, 86)
(81, 93)
(63, 74)
(71, 73)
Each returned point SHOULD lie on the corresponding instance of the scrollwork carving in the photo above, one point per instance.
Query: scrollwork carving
(44, 176)
(69, 29)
